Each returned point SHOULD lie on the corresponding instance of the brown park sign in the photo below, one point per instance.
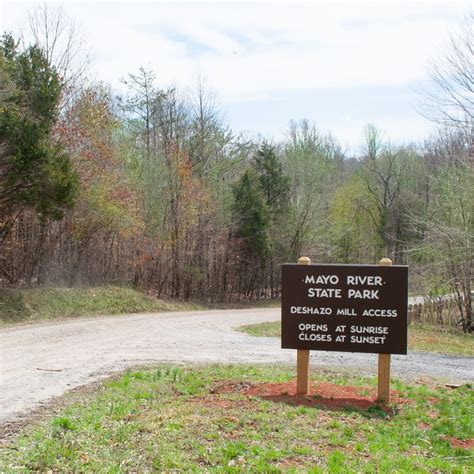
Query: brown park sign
(350, 308)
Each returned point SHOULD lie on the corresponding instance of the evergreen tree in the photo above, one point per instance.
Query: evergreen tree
(251, 217)
(275, 185)
(35, 172)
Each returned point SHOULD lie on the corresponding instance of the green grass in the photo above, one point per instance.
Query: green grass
(178, 420)
(51, 303)
(438, 339)
(420, 338)
(268, 329)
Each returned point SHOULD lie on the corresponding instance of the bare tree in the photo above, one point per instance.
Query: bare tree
(209, 133)
(450, 224)
(373, 141)
(451, 101)
(450, 233)
(60, 39)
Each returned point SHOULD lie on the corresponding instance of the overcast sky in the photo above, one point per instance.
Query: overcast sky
(341, 65)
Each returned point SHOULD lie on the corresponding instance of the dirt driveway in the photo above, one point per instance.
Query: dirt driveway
(44, 360)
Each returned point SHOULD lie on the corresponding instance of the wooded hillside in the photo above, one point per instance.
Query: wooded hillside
(152, 188)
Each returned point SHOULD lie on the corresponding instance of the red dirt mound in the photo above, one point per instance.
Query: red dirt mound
(323, 394)
(460, 443)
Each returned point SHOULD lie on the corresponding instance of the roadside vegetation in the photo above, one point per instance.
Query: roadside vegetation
(53, 303)
(430, 338)
(218, 419)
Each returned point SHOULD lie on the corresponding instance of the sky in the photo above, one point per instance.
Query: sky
(340, 65)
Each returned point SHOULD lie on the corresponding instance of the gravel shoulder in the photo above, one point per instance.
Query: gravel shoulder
(38, 362)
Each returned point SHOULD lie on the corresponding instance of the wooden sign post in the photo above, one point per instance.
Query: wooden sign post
(383, 385)
(346, 308)
(302, 356)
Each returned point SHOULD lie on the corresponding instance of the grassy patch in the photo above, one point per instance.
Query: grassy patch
(50, 303)
(269, 329)
(174, 419)
(436, 339)
(420, 338)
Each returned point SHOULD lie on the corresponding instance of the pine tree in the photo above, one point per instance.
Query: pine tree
(275, 187)
(251, 217)
(35, 172)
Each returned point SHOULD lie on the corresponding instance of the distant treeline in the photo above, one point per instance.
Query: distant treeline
(153, 189)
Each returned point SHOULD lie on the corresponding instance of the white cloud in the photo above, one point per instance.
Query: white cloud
(254, 51)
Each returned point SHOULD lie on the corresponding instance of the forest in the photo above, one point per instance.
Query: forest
(151, 188)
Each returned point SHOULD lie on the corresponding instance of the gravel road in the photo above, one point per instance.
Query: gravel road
(44, 360)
